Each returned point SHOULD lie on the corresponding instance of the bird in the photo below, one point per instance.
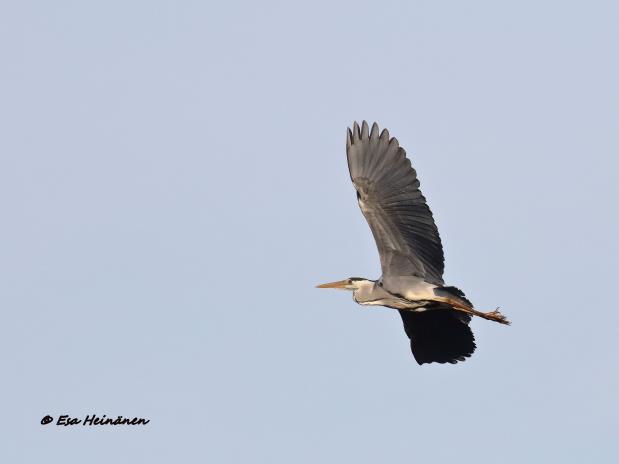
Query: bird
(436, 316)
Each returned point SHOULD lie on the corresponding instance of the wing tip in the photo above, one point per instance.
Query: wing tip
(421, 361)
(363, 132)
(356, 135)
(374, 132)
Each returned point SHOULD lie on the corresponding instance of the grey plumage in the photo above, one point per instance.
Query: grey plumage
(435, 316)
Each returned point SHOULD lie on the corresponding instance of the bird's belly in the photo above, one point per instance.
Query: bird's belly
(400, 303)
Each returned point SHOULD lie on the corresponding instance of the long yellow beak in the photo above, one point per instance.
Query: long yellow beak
(338, 284)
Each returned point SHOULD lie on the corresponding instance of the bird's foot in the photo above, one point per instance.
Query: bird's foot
(496, 316)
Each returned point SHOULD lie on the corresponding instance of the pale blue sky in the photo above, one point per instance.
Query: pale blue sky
(173, 184)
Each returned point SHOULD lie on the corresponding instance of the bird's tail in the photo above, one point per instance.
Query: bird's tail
(453, 293)
(455, 297)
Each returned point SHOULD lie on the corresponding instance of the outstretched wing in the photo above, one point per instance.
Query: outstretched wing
(388, 193)
(438, 335)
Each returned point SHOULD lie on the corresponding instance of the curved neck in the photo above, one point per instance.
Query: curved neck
(366, 291)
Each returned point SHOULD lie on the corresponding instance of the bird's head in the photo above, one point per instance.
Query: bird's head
(362, 288)
(352, 283)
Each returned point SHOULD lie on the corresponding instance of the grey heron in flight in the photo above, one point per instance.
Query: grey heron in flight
(436, 317)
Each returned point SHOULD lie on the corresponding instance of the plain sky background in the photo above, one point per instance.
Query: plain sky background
(173, 184)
